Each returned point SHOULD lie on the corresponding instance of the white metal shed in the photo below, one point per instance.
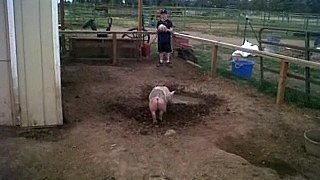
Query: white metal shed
(30, 88)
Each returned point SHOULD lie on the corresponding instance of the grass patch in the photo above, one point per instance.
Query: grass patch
(292, 96)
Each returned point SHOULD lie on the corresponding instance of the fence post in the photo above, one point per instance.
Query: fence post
(239, 19)
(114, 45)
(261, 70)
(307, 69)
(282, 82)
(62, 22)
(264, 18)
(210, 21)
(307, 22)
(261, 58)
(214, 60)
(62, 9)
(184, 18)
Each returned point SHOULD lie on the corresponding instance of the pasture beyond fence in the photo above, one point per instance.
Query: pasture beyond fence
(216, 47)
(224, 21)
(305, 52)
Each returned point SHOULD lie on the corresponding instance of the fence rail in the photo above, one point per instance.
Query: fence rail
(297, 61)
(284, 60)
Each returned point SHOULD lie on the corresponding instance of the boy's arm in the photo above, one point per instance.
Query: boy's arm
(170, 27)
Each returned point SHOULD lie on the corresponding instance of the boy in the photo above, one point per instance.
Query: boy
(164, 38)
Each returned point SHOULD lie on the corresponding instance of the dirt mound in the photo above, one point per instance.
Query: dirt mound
(256, 155)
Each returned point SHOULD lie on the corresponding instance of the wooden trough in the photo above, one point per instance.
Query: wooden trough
(99, 48)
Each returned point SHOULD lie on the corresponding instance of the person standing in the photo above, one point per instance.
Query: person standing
(164, 36)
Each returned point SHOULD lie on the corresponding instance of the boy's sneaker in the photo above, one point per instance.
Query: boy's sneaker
(160, 64)
(168, 63)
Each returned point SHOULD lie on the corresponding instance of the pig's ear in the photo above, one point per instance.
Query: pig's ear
(172, 92)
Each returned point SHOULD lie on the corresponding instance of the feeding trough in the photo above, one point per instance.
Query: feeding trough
(312, 142)
(99, 47)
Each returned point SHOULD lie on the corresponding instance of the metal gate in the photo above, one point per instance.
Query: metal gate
(307, 51)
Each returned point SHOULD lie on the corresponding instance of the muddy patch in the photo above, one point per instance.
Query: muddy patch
(51, 134)
(67, 84)
(8, 132)
(188, 110)
(43, 134)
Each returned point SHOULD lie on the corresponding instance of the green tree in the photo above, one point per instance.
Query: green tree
(313, 6)
(258, 5)
(220, 3)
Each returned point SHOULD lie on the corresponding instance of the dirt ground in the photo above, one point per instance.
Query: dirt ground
(237, 134)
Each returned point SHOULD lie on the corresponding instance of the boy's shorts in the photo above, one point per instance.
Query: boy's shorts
(164, 47)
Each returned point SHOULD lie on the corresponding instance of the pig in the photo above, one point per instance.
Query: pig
(159, 97)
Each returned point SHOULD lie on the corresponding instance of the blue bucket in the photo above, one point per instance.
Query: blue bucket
(242, 68)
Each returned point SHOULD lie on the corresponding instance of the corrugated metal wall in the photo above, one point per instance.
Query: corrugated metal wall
(5, 92)
(39, 93)
(38, 62)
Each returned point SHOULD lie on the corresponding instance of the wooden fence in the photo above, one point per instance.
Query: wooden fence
(72, 34)
(285, 60)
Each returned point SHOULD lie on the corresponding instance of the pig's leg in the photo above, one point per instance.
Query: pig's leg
(153, 106)
(154, 117)
(162, 106)
(160, 115)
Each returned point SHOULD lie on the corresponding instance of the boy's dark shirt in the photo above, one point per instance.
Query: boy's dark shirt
(164, 37)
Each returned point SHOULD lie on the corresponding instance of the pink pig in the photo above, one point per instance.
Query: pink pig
(158, 99)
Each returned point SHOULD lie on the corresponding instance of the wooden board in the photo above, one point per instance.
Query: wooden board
(103, 48)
